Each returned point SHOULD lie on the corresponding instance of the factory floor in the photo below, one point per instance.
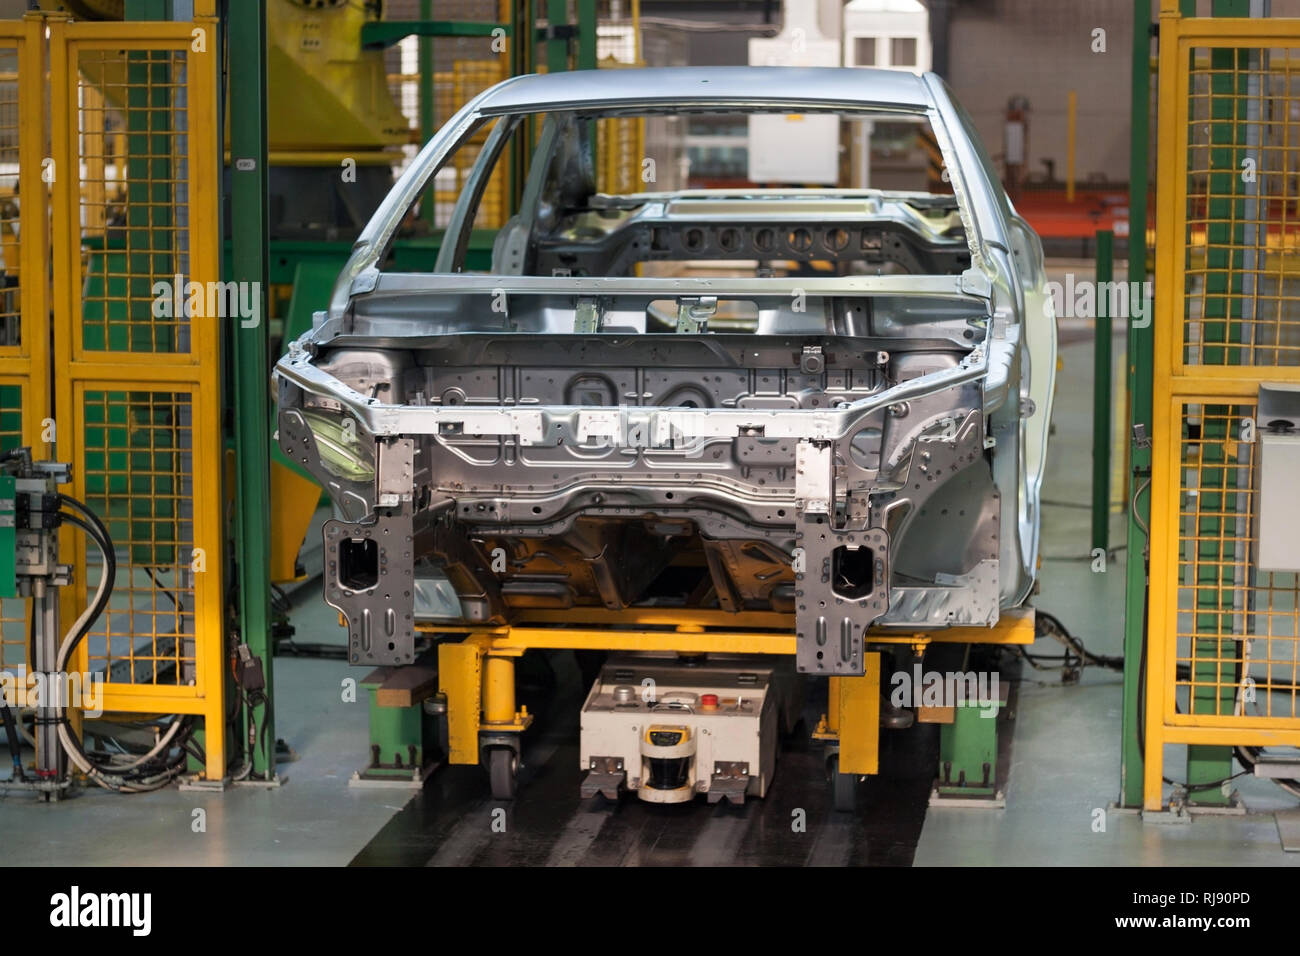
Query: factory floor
(1063, 748)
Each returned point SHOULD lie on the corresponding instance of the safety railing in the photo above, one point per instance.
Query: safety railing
(1223, 635)
(24, 265)
(137, 315)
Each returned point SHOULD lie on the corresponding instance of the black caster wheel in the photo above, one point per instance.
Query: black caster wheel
(844, 787)
(503, 767)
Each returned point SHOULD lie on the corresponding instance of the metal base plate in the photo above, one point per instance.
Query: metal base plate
(1288, 829)
(1176, 816)
(414, 780)
(945, 797)
(1235, 807)
(275, 783)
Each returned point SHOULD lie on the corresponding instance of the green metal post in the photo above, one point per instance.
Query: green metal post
(428, 115)
(8, 539)
(1139, 360)
(523, 42)
(146, 10)
(557, 48)
(587, 20)
(1101, 418)
(250, 360)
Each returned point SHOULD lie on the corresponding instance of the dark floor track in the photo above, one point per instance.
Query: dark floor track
(454, 822)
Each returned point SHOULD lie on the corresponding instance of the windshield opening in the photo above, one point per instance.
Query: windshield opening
(697, 193)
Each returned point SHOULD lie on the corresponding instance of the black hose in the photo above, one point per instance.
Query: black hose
(95, 529)
(15, 742)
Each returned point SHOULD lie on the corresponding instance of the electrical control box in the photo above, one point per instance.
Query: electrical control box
(669, 730)
(1278, 497)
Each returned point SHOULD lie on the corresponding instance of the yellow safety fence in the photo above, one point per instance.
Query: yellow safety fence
(24, 289)
(130, 394)
(1223, 636)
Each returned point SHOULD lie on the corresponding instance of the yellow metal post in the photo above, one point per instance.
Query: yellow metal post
(460, 681)
(498, 690)
(163, 378)
(858, 704)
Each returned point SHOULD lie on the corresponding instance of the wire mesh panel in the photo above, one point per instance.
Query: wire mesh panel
(1235, 654)
(133, 128)
(1241, 225)
(468, 79)
(139, 312)
(139, 467)
(453, 89)
(620, 140)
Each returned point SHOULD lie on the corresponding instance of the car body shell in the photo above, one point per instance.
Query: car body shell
(866, 453)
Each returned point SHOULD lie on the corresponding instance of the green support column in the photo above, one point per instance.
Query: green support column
(1139, 359)
(246, 29)
(147, 10)
(1101, 416)
(587, 19)
(523, 41)
(428, 117)
(557, 47)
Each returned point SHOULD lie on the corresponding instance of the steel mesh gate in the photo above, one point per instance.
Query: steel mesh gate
(24, 305)
(1223, 636)
(133, 132)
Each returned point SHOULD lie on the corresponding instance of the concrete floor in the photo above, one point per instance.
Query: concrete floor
(1065, 764)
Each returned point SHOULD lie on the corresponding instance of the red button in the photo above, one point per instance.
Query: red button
(708, 700)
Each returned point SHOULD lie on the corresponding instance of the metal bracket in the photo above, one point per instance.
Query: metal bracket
(379, 608)
(814, 477)
(606, 777)
(730, 781)
(694, 312)
(586, 316)
(832, 614)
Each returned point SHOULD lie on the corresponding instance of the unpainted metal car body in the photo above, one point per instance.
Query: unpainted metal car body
(861, 447)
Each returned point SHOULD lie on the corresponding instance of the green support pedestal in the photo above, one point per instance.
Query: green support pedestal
(405, 741)
(968, 758)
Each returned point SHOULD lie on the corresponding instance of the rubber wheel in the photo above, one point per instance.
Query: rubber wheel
(844, 787)
(502, 764)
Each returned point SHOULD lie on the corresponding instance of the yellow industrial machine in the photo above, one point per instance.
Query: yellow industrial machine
(329, 104)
